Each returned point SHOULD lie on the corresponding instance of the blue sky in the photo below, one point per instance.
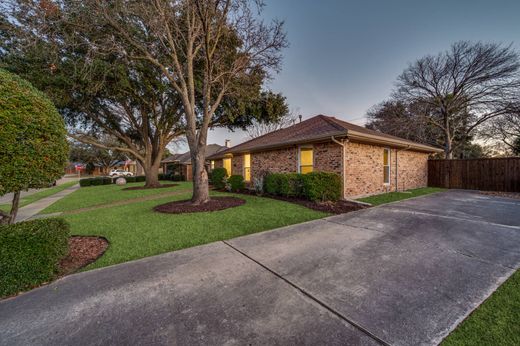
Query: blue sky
(344, 56)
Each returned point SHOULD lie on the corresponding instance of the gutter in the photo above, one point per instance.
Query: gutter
(396, 171)
(343, 175)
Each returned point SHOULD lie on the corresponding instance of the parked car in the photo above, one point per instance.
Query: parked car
(120, 173)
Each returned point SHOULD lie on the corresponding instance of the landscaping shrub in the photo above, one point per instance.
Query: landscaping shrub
(85, 182)
(162, 176)
(107, 180)
(236, 183)
(177, 177)
(130, 179)
(140, 178)
(315, 186)
(96, 181)
(30, 252)
(217, 178)
(321, 186)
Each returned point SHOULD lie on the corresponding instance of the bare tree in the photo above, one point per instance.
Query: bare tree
(505, 129)
(462, 87)
(277, 117)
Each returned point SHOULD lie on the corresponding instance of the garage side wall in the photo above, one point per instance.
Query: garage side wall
(364, 170)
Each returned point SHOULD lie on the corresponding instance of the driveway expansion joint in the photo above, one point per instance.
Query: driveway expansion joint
(313, 298)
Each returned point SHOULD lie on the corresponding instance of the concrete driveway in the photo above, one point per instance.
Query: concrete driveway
(406, 273)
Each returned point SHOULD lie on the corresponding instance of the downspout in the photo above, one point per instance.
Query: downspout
(343, 175)
(396, 174)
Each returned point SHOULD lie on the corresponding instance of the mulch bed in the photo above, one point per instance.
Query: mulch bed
(149, 188)
(82, 252)
(338, 207)
(185, 206)
(515, 195)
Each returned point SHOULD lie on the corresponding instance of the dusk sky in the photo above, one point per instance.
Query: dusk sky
(344, 56)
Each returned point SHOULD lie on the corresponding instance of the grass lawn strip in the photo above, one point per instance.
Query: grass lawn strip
(136, 231)
(91, 196)
(495, 322)
(398, 196)
(39, 195)
(127, 201)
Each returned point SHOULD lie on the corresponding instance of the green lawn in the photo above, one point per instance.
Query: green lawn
(398, 196)
(39, 195)
(90, 196)
(135, 230)
(495, 322)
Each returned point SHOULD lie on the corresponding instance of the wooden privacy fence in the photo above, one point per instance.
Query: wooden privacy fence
(494, 174)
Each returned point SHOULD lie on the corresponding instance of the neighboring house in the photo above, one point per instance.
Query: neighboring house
(368, 161)
(180, 164)
(129, 165)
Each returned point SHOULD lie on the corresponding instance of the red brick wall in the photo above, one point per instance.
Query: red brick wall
(364, 170)
(276, 161)
(237, 164)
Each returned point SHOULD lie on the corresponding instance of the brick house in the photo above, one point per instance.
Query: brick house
(180, 164)
(368, 161)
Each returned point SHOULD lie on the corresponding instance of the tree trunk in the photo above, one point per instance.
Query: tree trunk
(447, 147)
(151, 172)
(14, 208)
(200, 178)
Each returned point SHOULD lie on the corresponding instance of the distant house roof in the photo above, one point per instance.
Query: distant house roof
(322, 127)
(185, 158)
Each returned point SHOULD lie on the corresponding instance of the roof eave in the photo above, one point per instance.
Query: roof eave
(363, 137)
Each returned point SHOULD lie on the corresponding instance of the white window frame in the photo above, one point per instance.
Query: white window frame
(300, 154)
(389, 166)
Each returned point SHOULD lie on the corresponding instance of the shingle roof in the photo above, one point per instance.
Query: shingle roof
(318, 128)
(185, 158)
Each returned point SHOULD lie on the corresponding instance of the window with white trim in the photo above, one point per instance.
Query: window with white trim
(386, 166)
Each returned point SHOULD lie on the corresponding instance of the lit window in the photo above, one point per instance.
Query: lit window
(212, 164)
(306, 160)
(247, 167)
(227, 165)
(386, 166)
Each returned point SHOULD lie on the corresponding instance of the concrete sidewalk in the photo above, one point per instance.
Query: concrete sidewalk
(31, 210)
(404, 274)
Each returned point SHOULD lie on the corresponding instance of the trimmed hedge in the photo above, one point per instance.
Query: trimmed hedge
(140, 178)
(217, 178)
(314, 186)
(30, 252)
(236, 182)
(321, 186)
(130, 179)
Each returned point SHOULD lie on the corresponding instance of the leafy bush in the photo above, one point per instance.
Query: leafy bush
(107, 180)
(96, 181)
(140, 178)
(30, 252)
(85, 182)
(321, 186)
(177, 177)
(314, 186)
(236, 182)
(130, 179)
(162, 176)
(258, 185)
(33, 143)
(217, 176)
(283, 184)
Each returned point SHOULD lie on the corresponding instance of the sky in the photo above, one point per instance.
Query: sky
(344, 56)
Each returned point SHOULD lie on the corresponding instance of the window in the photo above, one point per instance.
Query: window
(227, 165)
(247, 167)
(306, 160)
(386, 166)
(212, 165)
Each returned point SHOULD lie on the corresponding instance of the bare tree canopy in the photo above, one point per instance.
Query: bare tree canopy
(505, 129)
(463, 87)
